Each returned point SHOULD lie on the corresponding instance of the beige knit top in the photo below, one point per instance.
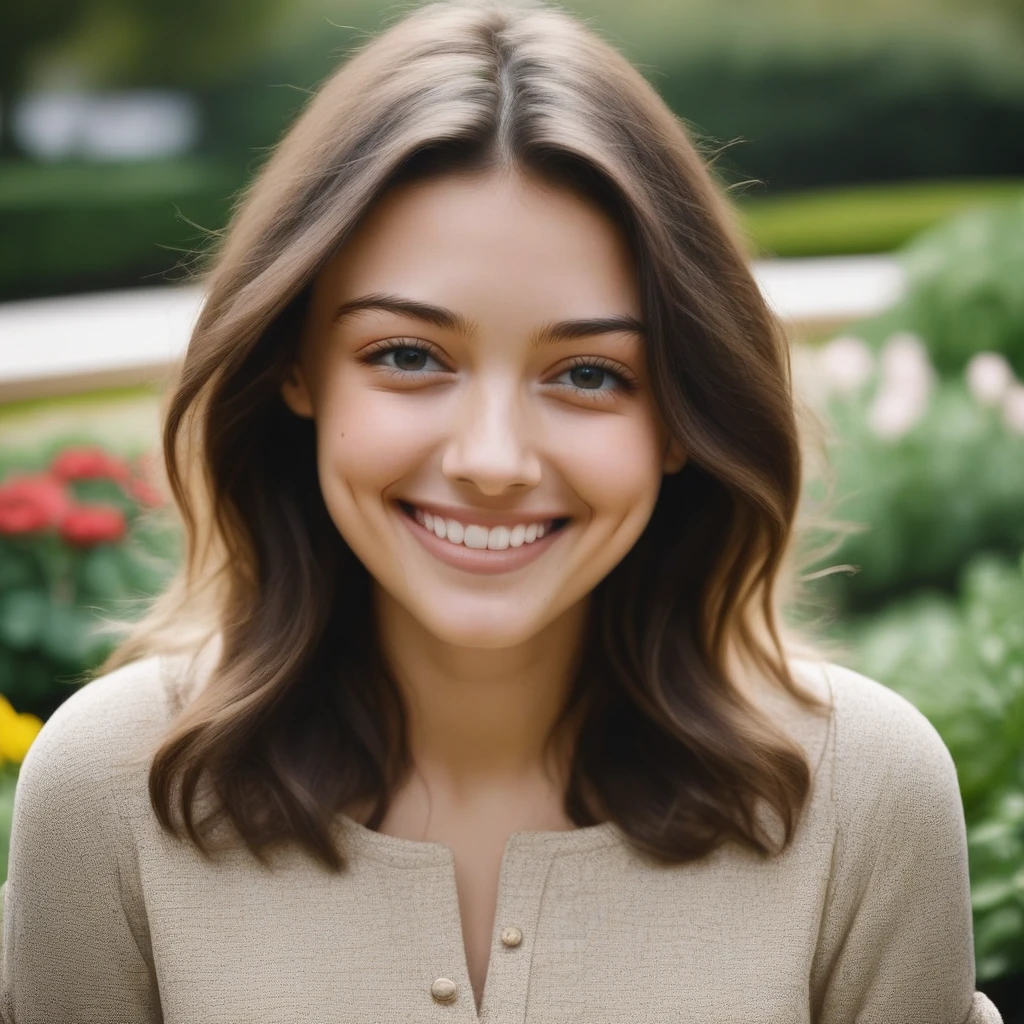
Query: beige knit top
(865, 918)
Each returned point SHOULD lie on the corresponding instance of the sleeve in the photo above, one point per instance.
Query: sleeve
(897, 941)
(72, 946)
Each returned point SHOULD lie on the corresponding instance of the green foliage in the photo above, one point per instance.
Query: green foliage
(961, 663)
(952, 484)
(965, 291)
(797, 110)
(71, 227)
(136, 42)
(186, 43)
(947, 488)
(8, 782)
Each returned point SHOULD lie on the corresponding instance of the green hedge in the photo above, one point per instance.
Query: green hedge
(78, 227)
(802, 109)
(862, 219)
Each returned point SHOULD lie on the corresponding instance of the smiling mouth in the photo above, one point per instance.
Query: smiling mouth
(482, 538)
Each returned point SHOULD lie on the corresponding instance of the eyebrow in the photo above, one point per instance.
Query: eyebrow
(451, 320)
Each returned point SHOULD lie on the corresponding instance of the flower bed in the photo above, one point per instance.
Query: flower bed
(82, 535)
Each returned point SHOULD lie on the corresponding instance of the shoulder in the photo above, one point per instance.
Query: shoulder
(103, 731)
(885, 752)
(876, 725)
(104, 712)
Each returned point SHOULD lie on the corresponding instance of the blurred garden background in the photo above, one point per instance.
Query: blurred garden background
(889, 131)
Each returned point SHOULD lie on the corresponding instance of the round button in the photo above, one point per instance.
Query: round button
(443, 990)
(511, 936)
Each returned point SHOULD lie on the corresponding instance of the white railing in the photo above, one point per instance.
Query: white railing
(81, 343)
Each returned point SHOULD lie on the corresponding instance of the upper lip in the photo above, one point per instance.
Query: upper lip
(482, 517)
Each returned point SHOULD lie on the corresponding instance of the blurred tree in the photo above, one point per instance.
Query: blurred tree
(188, 43)
(1011, 10)
(24, 29)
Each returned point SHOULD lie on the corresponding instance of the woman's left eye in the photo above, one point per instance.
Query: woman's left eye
(593, 377)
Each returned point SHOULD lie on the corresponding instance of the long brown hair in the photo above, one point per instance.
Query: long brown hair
(298, 717)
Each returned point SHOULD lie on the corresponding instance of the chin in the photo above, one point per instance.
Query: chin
(480, 631)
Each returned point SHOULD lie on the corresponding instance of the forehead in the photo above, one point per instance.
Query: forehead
(489, 239)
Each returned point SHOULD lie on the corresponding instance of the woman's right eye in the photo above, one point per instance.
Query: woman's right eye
(404, 359)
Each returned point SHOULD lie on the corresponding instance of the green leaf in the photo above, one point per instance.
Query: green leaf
(8, 784)
(101, 574)
(68, 638)
(33, 682)
(23, 618)
(992, 892)
(18, 568)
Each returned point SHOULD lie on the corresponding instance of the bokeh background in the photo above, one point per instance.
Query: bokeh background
(886, 135)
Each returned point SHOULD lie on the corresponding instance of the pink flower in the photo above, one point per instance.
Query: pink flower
(894, 413)
(904, 361)
(31, 503)
(89, 463)
(847, 363)
(908, 379)
(85, 525)
(988, 377)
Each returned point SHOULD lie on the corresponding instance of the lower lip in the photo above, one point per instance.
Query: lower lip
(479, 560)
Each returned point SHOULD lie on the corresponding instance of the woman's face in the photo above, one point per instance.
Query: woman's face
(487, 440)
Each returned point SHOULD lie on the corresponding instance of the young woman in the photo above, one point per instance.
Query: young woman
(471, 701)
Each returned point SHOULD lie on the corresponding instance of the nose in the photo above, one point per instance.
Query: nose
(491, 445)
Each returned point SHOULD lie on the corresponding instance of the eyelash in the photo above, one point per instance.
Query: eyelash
(626, 383)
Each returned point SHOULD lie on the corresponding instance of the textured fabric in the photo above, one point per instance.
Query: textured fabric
(865, 918)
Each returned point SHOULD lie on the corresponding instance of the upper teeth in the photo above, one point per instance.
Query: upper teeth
(497, 538)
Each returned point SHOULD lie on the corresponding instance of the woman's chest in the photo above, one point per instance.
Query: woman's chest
(596, 937)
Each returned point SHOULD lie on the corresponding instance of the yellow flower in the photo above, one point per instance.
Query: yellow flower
(17, 732)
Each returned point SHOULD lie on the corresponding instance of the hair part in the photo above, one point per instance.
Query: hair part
(298, 717)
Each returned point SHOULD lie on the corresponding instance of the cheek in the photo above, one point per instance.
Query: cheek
(368, 437)
(614, 463)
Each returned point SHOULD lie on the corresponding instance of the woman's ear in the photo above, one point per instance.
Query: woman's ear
(296, 394)
(675, 457)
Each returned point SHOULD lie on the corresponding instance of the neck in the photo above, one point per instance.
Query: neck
(478, 718)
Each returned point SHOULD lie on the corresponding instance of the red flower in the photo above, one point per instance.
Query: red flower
(31, 504)
(85, 525)
(89, 463)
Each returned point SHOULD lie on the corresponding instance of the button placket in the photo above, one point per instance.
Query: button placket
(524, 871)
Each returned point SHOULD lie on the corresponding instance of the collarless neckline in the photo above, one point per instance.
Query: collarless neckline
(395, 849)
